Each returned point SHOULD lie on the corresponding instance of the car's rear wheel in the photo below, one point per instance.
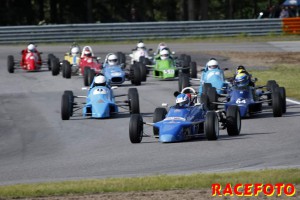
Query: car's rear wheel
(143, 70)
(10, 64)
(213, 97)
(135, 75)
(206, 87)
(277, 103)
(136, 128)
(55, 67)
(233, 120)
(133, 99)
(159, 115)
(193, 66)
(50, 57)
(183, 81)
(211, 126)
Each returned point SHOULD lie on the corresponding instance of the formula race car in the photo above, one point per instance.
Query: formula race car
(250, 100)
(99, 103)
(31, 61)
(186, 121)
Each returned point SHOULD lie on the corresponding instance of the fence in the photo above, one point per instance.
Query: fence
(145, 30)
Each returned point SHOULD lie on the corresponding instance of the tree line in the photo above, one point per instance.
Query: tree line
(33, 12)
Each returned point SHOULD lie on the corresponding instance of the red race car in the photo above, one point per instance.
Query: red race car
(89, 65)
(31, 60)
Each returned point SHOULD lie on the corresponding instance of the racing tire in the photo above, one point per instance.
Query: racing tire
(193, 66)
(70, 94)
(211, 126)
(55, 67)
(136, 128)
(10, 64)
(121, 58)
(205, 101)
(85, 76)
(213, 97)
(206, 87)
(233, 120)
(67, 69)
(183, 81)
(143, 70)
(65, 107)
(277, 103)
(158, 115)
(63, 72)
(133, 99)
(283, 95)
(144, 60)
(269, 84)
(50, 57)
(135, 73)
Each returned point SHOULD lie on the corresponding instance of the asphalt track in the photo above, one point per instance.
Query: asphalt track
(36, 145)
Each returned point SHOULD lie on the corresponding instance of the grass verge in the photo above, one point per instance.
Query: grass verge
(151, 183)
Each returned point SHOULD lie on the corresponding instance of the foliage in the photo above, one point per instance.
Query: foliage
(34, 12)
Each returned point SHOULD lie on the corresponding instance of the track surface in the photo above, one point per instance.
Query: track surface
(36, 145)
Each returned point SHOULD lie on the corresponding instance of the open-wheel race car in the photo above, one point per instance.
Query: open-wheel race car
(99, 102)
(116, 72)
(188, 119)
(30, 61)
(252, 100)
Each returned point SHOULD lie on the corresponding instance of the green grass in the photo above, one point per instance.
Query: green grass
(160, 182)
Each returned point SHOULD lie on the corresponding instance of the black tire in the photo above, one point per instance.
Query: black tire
(283, 95)
(65, 107)
(184, 81)
(277, 103)
(121, 58)
(143, 70)
(193, 70)
(211, 126)
(133, 99)
(88, 76)
(206, 87)
(205, 101)
(55, 67)
(144, 60)
(233, 120)
(70, 94)
(50, 57)
(63, 71)
(10, 64)
(159, 115)
(68, 69)
(188, 59)
(135, 75)
(136, 128)
(213, 97)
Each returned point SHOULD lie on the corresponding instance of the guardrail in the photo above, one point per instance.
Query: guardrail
(145, 30)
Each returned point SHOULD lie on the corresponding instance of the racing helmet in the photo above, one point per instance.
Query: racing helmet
(112, 59)
(100, 81)
(140, 45)
(239, 69)
(31, 48)
(87, 52)
(241, 80)
(74, 51)
(212, 64)
(182, 99)
(164, 54)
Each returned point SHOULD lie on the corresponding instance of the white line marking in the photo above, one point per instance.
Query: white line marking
(292, 101)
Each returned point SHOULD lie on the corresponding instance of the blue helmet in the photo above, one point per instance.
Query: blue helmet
(182, 99)
(242, 79)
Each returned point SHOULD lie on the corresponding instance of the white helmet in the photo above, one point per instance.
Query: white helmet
(75, 51)
(31, 48)
(100, 80)
(112, 59)
(140, 45)
(164, 54)
(212, 64)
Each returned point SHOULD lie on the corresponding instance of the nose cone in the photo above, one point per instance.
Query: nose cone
(170, 133)
(165, 138)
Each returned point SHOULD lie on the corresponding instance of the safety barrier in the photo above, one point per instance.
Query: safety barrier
(291, 25)
(142, 30)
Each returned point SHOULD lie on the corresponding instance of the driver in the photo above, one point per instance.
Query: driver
(183, 100)
(99, 80)
(164, 54)
(112, 60)
(26, 53)
(212, 64)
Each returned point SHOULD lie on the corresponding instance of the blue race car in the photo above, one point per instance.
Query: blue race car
(250, 99)
(186, 121)
(214, 76)
(100, 102)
